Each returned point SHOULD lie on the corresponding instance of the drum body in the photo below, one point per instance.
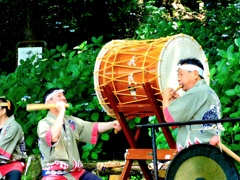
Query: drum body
(201, 162)
(126, 64)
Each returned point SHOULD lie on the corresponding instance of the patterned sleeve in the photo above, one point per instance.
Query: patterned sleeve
(9, 140)
(85, 131)
(185, 107)
(44, 132)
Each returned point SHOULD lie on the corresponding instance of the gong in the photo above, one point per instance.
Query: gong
(201, 162)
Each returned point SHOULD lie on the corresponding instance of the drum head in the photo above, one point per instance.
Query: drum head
(179, 47)
(201, 162)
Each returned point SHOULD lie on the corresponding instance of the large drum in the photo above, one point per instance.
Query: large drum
(201, 162)
(126, 64)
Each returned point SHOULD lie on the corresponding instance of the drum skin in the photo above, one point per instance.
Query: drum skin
(201, 162)
(125, 65)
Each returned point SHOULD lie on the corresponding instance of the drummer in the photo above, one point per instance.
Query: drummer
(199, 102)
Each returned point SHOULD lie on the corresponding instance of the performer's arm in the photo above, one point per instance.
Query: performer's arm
(105, 126)
(57, 126)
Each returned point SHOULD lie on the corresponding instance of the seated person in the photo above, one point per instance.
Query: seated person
(59, 135)
(199, 102)
(12, 144)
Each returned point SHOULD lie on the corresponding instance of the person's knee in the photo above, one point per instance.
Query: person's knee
(14, 175)
(89, 176)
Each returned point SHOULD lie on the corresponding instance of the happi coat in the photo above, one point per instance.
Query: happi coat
(62, 158)
(198, 103)
(12, 147)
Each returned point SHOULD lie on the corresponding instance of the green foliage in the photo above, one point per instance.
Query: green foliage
(161, 141)
(33, 168)
(65, 21)
(132, 123)
(216, 34)
(155, 23)
(136, 176)
(71, 70)
(226, 82)
(105, 177)
(219, 32)
(215, 4)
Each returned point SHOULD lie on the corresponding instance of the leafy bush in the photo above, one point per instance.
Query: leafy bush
(226, 82)
(71, 70)
(216, 34)
(60, 22)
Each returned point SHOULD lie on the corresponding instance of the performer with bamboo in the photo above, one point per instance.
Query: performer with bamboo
(59, 135)
(198, 102)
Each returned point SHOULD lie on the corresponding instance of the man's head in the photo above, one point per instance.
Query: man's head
(54, 95)
(189, 72)
(6, 107)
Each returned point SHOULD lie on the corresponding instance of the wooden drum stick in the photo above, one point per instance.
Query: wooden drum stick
(228, 151)
(115, 131)
(33, 107)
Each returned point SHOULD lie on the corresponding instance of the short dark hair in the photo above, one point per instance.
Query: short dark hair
(49, 91)
(10, 111)
(192, 61)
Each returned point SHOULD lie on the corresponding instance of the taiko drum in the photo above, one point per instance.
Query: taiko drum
(126, 64)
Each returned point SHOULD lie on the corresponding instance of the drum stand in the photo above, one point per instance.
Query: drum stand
(135, 153)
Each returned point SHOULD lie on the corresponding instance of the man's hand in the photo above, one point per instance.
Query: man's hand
(175, 95)
(117, 127)
(170, 94)
(105, 126)
(166, 94)
(61, 107)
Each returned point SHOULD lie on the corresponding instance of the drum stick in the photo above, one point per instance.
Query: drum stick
(115, 131)
(33, 107)
(228, 151)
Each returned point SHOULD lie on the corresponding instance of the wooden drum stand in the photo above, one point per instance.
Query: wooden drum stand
(134, 152)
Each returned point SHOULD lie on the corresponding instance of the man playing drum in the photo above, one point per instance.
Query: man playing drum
(58, 136)
(199, 102)
(12, 144)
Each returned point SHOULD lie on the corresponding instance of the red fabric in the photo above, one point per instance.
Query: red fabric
(6, 168)
(94, 134)
(49, 138)
(168, 117)
(77, 174)
(5, 153)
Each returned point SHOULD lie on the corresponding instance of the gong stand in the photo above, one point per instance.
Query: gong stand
(165, 124)
(134, 153)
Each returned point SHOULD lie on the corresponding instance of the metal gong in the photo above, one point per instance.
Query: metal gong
(201, 162)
